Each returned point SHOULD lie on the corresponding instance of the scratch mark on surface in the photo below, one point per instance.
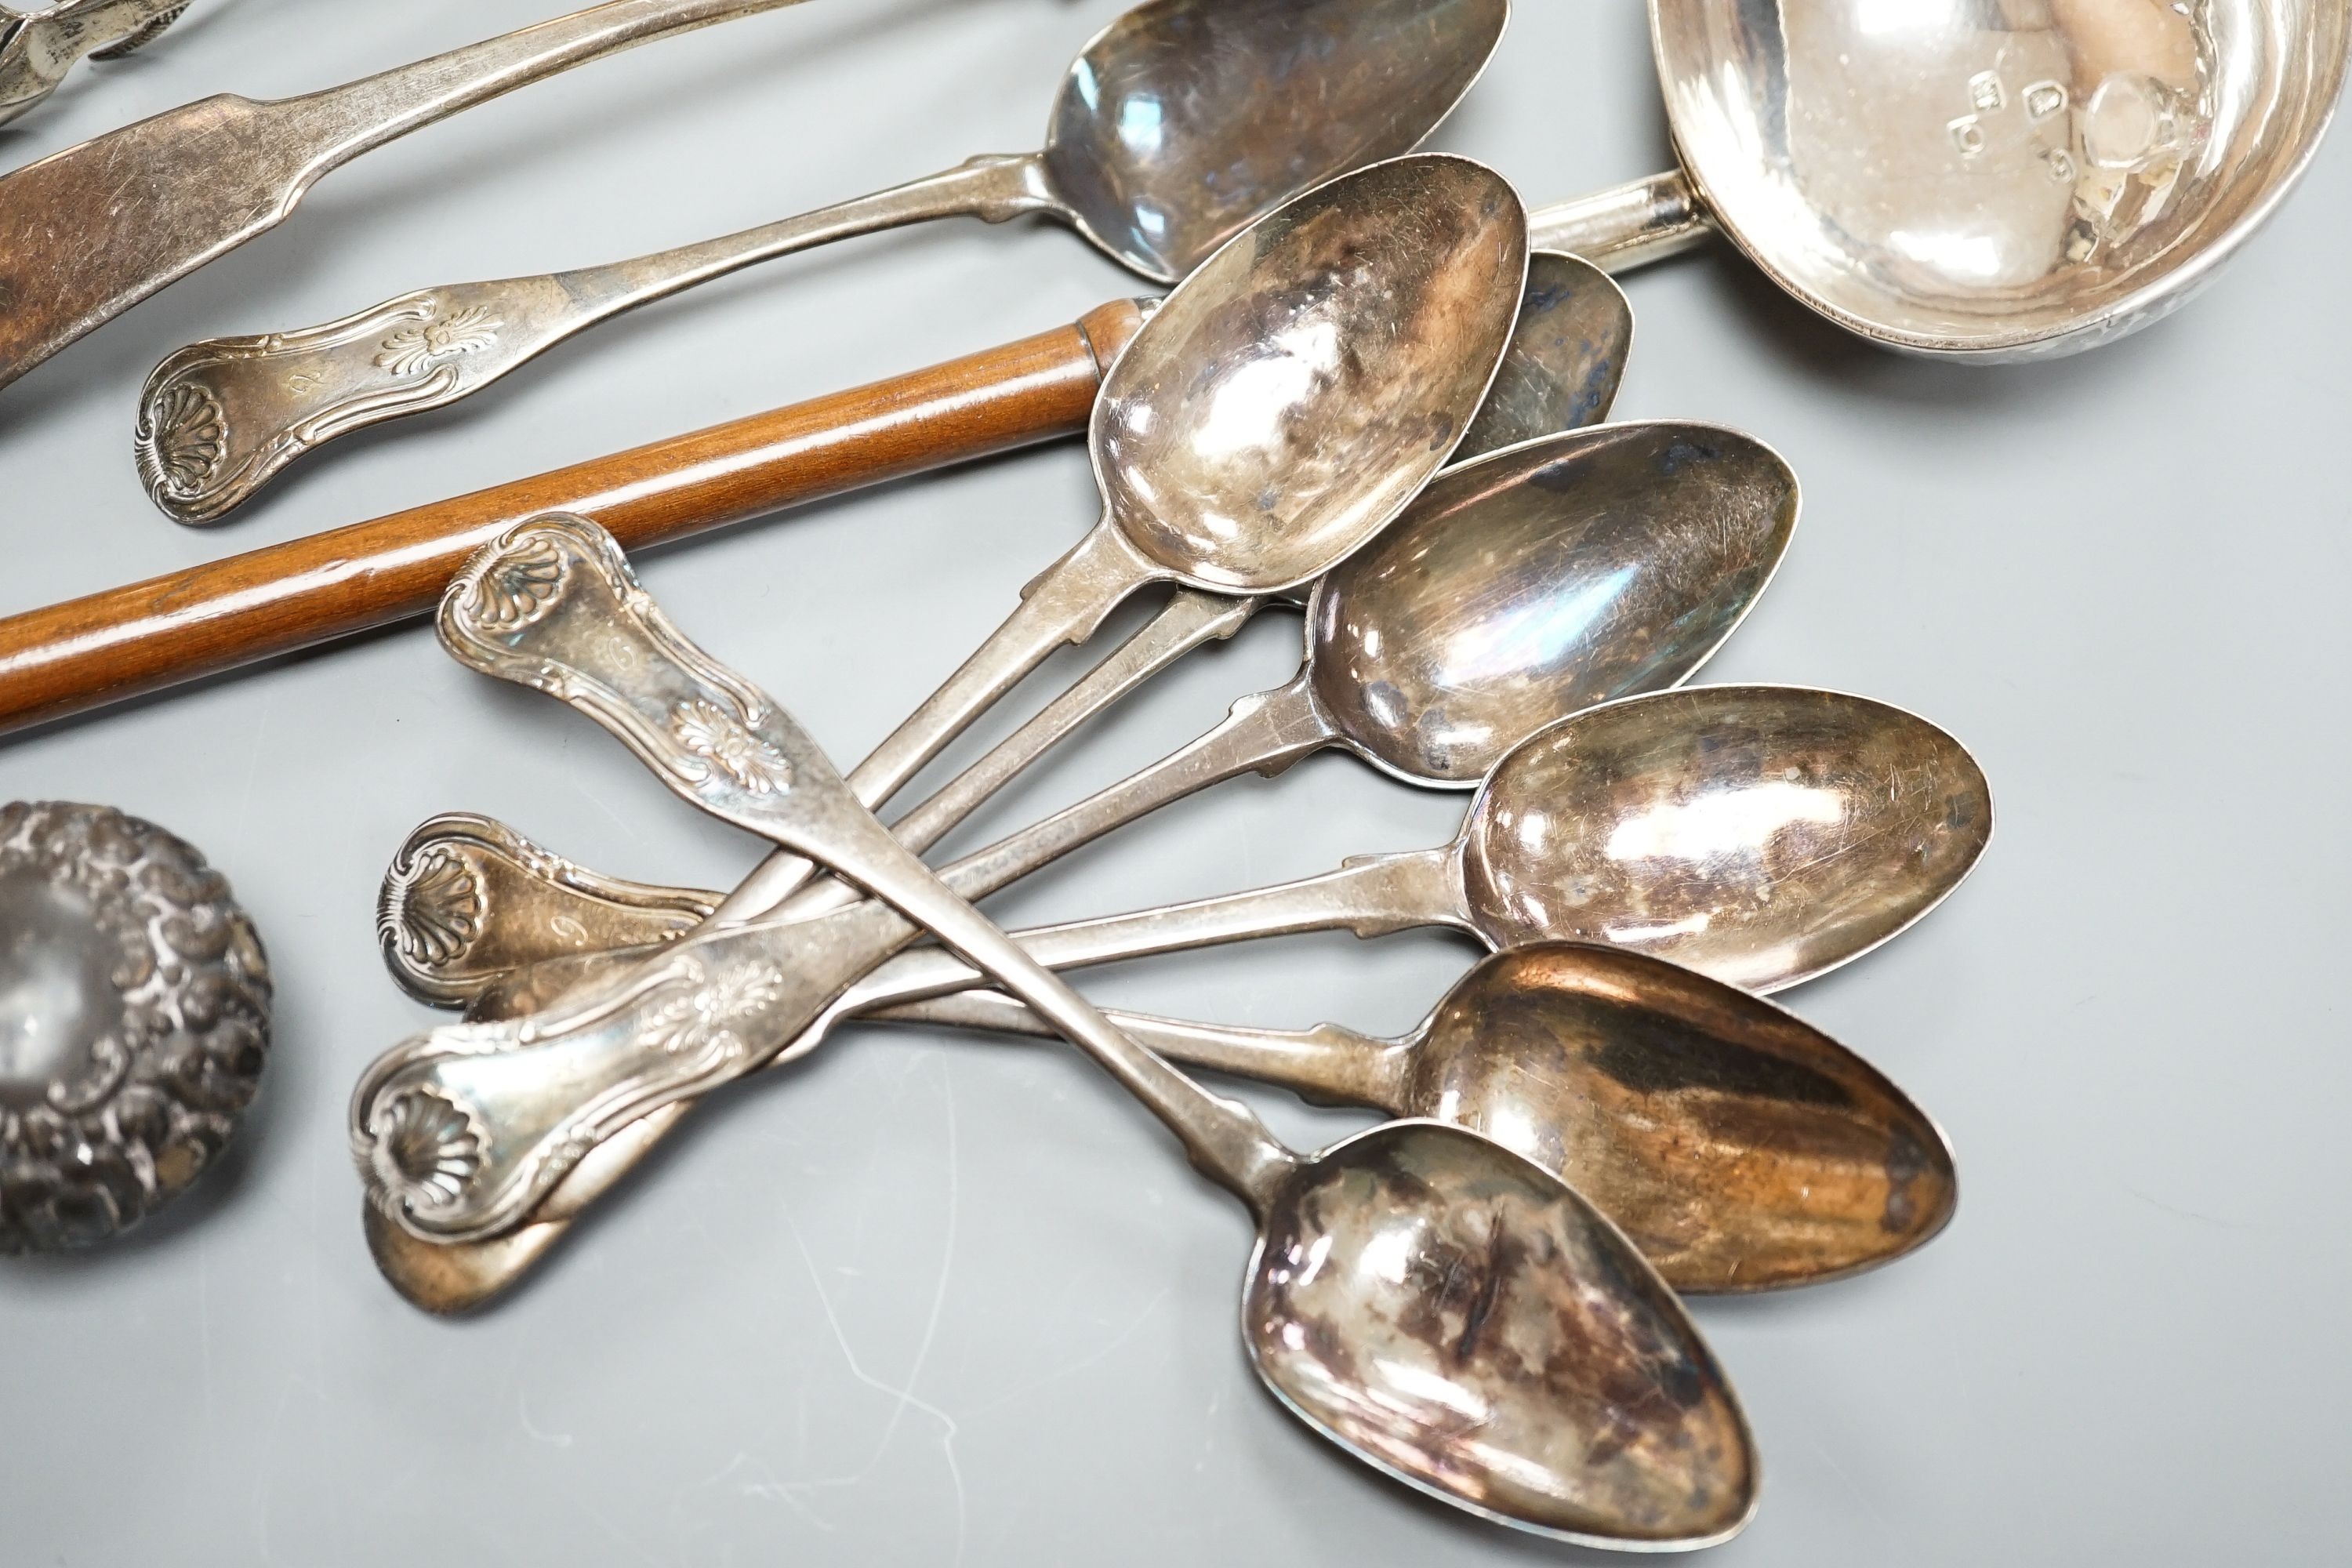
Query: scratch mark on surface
(2177, 1211)
(904, 1398)
(530, 1429)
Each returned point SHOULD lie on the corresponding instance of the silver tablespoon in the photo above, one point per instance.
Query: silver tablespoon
(1741, 1148)
(1520, 586)
(1180, 123)
(470, 904)
(1990, 181)
(1761, 834)
(1437, 1305)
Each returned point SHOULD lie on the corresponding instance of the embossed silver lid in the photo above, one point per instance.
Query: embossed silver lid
(134, 1021)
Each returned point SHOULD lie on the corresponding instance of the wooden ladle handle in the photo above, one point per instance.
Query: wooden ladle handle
(85, 653)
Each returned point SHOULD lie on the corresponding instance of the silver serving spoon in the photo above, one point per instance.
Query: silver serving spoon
(1741, 1148)
(1531, 583)
(1437, 1305)
(1990, 181)
(1180, 124)
(88, 233)
(38, 48)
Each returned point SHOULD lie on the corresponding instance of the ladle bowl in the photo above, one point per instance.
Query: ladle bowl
(1997, 181)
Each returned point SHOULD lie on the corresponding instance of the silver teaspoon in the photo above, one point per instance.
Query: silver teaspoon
(1437, 1305)
(1180, 124)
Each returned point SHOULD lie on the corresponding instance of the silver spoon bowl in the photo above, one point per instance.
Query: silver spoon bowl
(1461, 1318)
(1741, 1148)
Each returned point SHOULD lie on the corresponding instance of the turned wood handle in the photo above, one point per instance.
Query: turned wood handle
(85, 653)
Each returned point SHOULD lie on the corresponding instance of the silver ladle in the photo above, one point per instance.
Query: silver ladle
(1989, 182)
(1741, 1148)
(1180, 124)
(1433, 1303)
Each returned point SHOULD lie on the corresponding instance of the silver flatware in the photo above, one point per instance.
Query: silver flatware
(88, 233)
(1988, 182)
(40, 49)
(1283, 404)
(1761, 834)
(1739, 1147)
(1436, 1304)
(1180, 124)
(1518, 587)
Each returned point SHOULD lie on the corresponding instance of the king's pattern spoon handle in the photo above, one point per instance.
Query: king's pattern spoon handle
(553, 605)
(219, 418)
(468, 904)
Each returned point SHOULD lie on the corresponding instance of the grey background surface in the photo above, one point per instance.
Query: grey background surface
(931, 1300)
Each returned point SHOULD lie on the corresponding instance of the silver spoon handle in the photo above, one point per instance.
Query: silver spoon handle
(1627, 226)
(1371, 896)
(1190, 618)
(1065, 606)
(553, 605)
(90, 232)
(1329, 1063)
(219, 418)
(1267, 731)
(469, 907)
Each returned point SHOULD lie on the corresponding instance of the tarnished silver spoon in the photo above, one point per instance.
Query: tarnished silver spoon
(1182, 122)
(1437, 1305)
(1762, 835)
(1741, 1148)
